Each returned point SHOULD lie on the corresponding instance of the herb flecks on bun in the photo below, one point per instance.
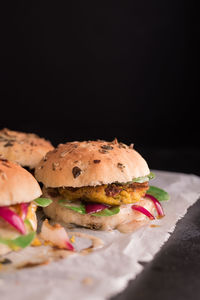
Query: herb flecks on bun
(27, 149)
(90, 163)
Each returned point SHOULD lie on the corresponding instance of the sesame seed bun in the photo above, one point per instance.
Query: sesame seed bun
(16, 184)
(27, 149)
(90, 163)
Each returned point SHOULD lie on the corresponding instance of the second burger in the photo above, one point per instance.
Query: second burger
(98, 185)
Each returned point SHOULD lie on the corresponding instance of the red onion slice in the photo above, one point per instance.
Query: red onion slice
(24, 210)
(143, 211)
(13, 219)
(91, 208)
(158, 206)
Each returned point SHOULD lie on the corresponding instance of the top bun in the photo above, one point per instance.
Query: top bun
(16, 184)
(90, 163)
(27, 149)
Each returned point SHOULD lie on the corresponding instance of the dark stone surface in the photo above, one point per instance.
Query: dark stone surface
(175, 271)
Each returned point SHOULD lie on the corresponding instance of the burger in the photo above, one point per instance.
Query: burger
(19, 192)
(97, 184)
(27, 149)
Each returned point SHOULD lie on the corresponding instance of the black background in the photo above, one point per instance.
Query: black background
(78, 70)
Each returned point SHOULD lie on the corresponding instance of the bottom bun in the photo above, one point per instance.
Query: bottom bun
(126, 220)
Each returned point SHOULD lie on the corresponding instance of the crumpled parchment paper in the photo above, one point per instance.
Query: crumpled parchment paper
(106, 271)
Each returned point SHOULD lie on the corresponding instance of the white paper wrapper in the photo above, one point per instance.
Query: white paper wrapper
(106, 271)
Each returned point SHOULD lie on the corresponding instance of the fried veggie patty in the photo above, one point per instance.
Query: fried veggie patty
(112, 194)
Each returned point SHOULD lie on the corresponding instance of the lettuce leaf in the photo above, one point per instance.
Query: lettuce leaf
(81, 209)
(78, 208)
(43, 202)
(158, 193)
(142, 179)
(20, 242)
(107, 212)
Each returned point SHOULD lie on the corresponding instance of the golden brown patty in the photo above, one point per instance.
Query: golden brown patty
(112, 194)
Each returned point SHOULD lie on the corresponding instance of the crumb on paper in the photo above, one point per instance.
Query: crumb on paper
(87, 281)
(36, 242)
(48, 243)
(72, 239)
